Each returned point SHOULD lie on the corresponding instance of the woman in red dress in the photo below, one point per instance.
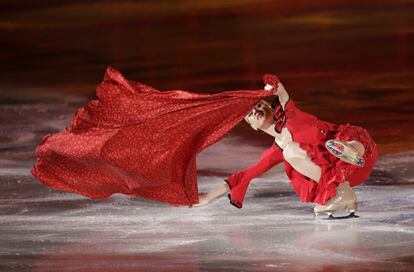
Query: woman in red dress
(138, 141)
(322, 160)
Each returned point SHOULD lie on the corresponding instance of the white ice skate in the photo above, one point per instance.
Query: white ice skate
(350, 152)
(345, 199)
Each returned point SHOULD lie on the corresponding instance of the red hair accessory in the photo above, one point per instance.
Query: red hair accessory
(280, 118)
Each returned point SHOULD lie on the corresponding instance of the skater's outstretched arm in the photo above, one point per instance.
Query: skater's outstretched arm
(220, 190)
(238, 182)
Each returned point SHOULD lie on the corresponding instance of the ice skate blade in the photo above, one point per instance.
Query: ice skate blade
(351, 215)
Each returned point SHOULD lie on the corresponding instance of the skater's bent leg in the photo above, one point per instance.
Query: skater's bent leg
(300, 160)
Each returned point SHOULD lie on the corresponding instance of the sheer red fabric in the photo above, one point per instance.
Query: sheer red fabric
(139, 141)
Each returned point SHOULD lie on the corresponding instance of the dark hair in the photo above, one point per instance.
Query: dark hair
(275, 103)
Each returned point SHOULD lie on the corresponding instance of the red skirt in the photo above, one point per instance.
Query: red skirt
(333, 170)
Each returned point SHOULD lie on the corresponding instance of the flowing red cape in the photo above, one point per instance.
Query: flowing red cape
(139, 141)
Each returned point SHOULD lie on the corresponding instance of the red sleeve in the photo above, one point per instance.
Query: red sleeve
(239, 181)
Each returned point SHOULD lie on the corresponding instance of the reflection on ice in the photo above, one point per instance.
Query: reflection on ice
(47, 230)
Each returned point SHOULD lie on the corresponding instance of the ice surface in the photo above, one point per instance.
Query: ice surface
(323, 50)
(47, 230)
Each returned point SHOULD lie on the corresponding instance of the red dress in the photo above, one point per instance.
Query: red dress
(312, 134)
(141, 142)
(138, 141)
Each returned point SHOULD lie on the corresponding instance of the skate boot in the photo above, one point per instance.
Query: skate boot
(350, 152)
(345, 199)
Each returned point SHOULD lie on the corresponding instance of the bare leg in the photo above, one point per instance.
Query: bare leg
(216, 192)
(300, 160)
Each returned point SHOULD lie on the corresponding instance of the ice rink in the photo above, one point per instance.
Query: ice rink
(47, 230)
(343, 61)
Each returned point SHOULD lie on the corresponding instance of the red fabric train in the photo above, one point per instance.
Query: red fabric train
(138, 141)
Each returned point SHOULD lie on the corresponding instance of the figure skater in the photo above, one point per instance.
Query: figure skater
(141, 142)
(322, 160)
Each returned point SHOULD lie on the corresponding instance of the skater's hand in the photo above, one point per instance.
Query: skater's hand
(271, 82)
(202, 200)
(275, 90)
(268, 87)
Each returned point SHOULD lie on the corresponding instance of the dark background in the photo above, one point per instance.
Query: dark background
(344, 61)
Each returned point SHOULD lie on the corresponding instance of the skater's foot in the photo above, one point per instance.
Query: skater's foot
(345, 199)
(350, 152)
